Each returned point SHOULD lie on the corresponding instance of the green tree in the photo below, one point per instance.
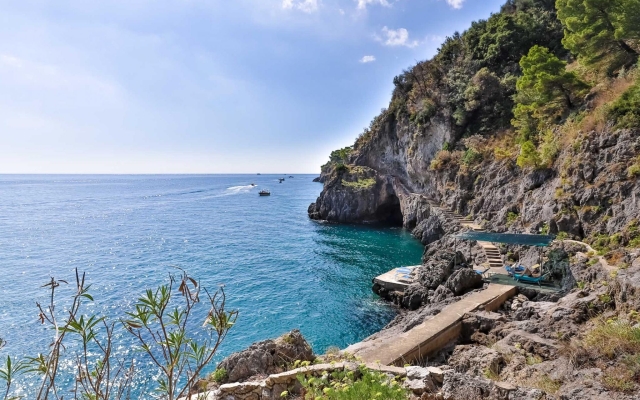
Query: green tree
(546, 90)
(529, 157)
(598, 30)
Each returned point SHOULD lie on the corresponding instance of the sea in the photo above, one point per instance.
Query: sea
(128, 233)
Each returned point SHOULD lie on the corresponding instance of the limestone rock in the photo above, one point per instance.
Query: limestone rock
(267, 357)
(463, 280)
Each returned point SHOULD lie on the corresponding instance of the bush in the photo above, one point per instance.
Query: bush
(529, 157)
(625, 112)
(442, 158)
(219, 375)
(176, 351)
(347, 385)
(471, 157)
(634, 170)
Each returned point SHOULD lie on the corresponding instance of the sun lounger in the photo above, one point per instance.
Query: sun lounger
(482, 272)
(514, 270)
(405, 278)
(529, 279)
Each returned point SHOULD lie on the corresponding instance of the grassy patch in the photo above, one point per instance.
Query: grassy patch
(546, 384)
(491, 373)
(625, 111)
(610, 339)
(360, 183)
(619, 379)
(533, 359)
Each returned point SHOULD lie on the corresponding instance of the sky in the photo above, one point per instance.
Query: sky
(204, 86)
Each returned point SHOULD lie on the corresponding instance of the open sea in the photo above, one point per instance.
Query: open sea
(280, 270)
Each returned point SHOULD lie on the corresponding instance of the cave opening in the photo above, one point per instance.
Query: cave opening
(390, 213)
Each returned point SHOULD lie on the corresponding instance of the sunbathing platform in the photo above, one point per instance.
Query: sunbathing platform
(398, 279)
(432, 334)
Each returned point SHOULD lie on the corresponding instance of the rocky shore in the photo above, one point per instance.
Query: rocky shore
(536, 346)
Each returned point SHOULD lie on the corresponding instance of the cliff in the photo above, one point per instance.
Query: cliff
(514, 137)
(449, 137)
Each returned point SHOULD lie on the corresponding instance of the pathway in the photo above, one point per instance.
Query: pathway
(603, 261)
(432, 334)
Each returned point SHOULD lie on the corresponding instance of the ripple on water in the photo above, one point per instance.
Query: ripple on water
(280, 270)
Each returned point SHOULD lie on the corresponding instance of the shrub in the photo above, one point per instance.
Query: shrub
(177, 352)
(512, 217)
(471, 157)
(219, 375)
(634, 170)
(341, 385)
(442, 158)
(529, 157)
(625, 112)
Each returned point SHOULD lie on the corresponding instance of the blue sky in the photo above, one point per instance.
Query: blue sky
(204, 86)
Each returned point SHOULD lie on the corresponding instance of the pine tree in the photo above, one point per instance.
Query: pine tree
(598, 30)
(546, 90)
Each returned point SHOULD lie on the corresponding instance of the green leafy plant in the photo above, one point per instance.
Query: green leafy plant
(219, 375)
(8, 373)
(352, 385)
(161, 323)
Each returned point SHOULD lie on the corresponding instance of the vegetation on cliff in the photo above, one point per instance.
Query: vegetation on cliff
(510, 73)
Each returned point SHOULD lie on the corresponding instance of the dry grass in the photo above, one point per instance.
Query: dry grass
(501, 146)
(610, 339)
(596, 119)
(546, 384)
(619, 379)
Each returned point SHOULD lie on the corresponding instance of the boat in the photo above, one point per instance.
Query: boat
(264, 192)
(281, 180)
(253, 184)
(259, 173)
(290, 176)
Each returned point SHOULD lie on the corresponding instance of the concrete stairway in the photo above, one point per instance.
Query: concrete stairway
(493, 254)
(464, 221)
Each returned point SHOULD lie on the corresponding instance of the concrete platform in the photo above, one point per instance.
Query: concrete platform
(392, 280)
(434, 333)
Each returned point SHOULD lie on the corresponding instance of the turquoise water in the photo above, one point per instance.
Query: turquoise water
(280, 270)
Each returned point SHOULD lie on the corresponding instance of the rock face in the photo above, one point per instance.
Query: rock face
(357, 194)
(586, 192)
(267, 357)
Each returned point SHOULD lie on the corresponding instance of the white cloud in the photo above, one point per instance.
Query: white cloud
(367, 59)
(362, 4)
(307, 6)
(397, 37)
(457, 4)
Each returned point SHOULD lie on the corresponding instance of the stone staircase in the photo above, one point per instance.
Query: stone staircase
(466, 222)
(494, 257)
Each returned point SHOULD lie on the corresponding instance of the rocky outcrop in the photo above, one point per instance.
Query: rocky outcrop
(357, 194)
(267, 357)
(586, 192)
